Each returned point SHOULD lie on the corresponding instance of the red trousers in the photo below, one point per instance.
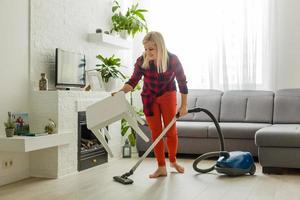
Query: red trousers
(164, 108)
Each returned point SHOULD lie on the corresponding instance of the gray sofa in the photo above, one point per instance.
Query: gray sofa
(261, 122)
(240, 113)
(279, 144)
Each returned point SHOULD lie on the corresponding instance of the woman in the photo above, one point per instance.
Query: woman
(160, 68)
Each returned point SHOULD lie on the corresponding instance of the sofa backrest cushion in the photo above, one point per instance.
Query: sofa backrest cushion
(233, 108)
(210, 100)
(260, 108)
(247, 106)
(287, 106)
(191, 103)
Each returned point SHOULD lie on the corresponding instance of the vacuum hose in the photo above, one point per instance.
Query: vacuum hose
(222, 152)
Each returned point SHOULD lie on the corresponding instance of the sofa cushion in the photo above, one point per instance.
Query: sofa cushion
(211, 101)
(191, 103)
(207, 96)
(247, 106)
(279, 135)
(236, 130)
(287, 106)
(260, 109)
(192, 129)
(233, 109)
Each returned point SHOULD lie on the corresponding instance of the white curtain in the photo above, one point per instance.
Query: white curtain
(221, 44)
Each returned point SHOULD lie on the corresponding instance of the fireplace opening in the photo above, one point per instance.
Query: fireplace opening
(90, 151)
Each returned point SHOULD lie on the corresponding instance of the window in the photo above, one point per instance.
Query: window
(221, 44)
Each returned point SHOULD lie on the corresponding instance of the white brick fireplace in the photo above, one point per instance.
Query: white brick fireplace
(62, 107)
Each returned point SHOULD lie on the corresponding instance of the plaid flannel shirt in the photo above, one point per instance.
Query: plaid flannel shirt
(156, 84)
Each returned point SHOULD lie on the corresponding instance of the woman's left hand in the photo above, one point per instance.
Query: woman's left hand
(182, 111)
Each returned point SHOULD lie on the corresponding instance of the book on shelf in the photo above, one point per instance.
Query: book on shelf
(34, 134)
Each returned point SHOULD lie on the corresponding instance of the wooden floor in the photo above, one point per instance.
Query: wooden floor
(97, 183)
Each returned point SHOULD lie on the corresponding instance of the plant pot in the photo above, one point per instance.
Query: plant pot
(110, 85)
(9, 132)
(123, 34)
(114, 33)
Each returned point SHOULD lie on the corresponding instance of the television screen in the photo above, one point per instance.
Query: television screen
(69, 69)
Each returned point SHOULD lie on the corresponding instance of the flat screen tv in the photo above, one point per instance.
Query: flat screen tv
(69, 69)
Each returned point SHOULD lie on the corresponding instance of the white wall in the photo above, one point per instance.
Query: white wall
(14, 32)
(54, 23)
(14, 57)
(288, 47)
(65, 24)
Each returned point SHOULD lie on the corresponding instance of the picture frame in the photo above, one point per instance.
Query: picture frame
(95, 80)
(22, 122)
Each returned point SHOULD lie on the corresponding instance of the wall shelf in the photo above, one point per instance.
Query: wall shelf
(110, 39)
(27, 143)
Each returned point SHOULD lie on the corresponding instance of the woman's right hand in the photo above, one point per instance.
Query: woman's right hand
(126, 88)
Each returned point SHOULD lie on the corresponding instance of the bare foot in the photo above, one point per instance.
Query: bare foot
(161, 171)
(178, 167)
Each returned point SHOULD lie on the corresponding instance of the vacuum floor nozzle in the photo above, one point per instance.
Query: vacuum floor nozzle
(123, 179)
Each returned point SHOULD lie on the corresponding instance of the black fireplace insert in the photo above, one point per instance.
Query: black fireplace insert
(90, 151)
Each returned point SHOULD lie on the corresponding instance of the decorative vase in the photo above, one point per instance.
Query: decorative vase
(50, 127)
(43, 83)
(98, 30)
(9, 132)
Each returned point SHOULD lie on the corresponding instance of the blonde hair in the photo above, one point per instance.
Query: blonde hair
(162, 52)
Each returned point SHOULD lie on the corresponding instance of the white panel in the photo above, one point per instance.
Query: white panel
(27, 144)
(14, 77)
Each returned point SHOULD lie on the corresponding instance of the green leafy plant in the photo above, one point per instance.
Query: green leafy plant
(132, 22)
(125, 128)
(109, 67)
(10, 124)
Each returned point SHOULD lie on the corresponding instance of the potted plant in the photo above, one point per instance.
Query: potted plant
(131, 23)
(109, 71)
(10, 126)
(125, 128)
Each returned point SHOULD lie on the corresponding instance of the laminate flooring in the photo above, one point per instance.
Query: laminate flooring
(97, 183)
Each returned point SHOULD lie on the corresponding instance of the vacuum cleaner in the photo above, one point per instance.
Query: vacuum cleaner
(233, 163)
(230, 163)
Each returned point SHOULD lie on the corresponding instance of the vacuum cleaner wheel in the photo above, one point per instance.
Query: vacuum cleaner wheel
(252, 170)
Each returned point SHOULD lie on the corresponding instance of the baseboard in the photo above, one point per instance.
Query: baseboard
(280, 170)
(42, 173)
(16, 176)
